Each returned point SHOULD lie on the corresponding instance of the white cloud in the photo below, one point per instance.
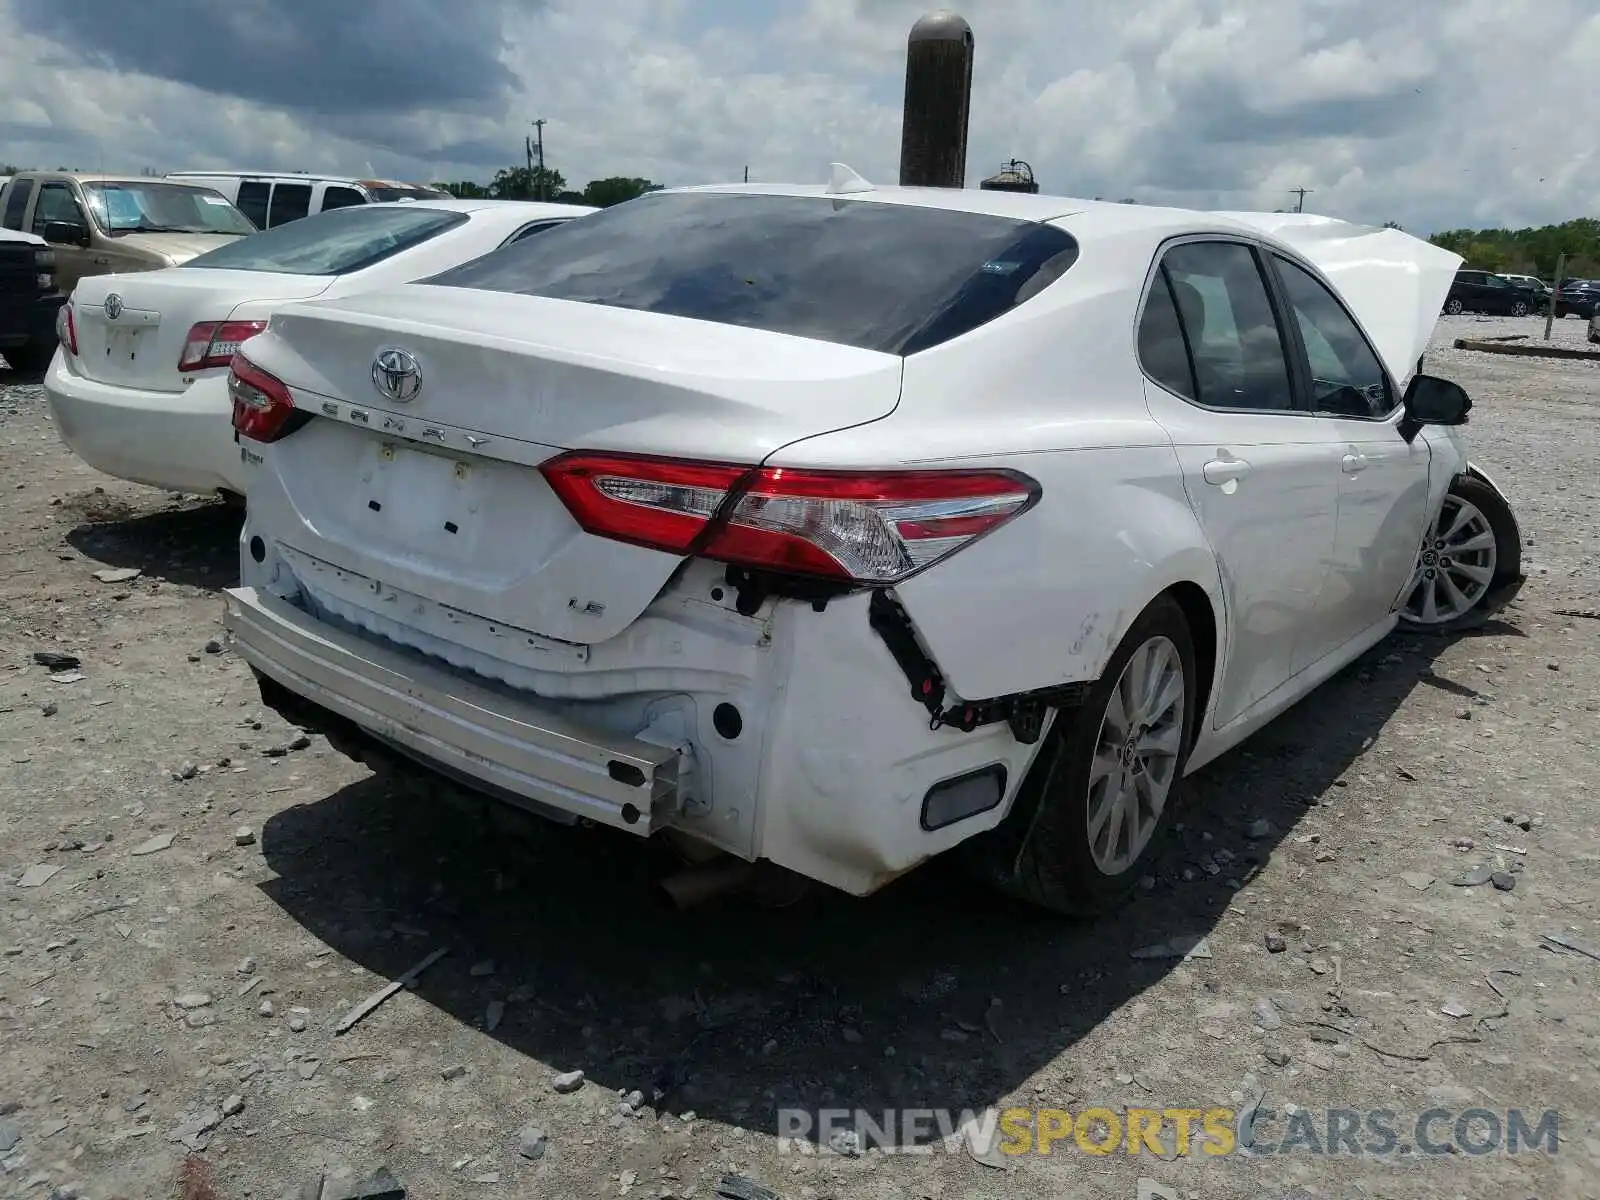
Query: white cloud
(1475, 112)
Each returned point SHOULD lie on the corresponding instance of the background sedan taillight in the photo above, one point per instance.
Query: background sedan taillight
(214, 343)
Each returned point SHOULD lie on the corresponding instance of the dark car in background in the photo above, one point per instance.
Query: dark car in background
(1486, 292)
(1579, 298)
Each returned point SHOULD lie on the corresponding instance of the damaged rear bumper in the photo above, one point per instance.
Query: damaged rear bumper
(504, 743)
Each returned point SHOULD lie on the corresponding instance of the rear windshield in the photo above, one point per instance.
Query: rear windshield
(889, 277)
(335, 242)
(147, 206)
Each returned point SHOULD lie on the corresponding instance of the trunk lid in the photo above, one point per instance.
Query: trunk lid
(140, 347)
(431, 513)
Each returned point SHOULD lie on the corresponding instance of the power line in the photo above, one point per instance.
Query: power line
(1300, 195)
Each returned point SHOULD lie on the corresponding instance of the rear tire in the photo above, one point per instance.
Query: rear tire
(1069, 843)
(1453, 307)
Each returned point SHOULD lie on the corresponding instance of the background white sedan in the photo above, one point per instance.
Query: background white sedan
(139, 385)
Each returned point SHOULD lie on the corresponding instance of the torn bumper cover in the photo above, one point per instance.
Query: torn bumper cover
(504, 744)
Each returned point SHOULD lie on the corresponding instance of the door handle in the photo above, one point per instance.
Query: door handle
(1225, 470)
(1352, 464)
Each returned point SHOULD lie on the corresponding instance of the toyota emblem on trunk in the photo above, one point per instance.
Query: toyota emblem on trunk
(113, 306)
(396, 375)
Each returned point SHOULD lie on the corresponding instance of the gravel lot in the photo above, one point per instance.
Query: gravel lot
(215, 897)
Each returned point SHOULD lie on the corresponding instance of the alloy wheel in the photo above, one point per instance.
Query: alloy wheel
(1456, 565)
(1136, 755)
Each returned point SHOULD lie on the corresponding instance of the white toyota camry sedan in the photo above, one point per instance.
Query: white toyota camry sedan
(138, 387)
(839, 527)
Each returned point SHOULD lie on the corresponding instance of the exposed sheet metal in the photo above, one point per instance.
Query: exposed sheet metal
(1394, 283)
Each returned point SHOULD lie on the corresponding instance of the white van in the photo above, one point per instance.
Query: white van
(270, 199)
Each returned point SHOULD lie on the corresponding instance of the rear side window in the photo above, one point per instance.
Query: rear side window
(1229, 326)
(17, 193)
(290, 202)
(1163, 350)
(333, 243)
(888, 277)
(252, 202)
(341, 197)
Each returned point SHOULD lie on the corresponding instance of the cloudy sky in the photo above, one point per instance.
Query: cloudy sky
(1435, 113)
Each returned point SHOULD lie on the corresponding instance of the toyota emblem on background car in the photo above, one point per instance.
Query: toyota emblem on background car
(396, 375)
(113, 306)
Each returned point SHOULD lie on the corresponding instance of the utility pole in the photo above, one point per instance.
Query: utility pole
(538, 193)
(747, 173)
(1300, 195)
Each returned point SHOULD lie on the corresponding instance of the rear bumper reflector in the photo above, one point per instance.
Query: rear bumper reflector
(506, 743)
(952, 800)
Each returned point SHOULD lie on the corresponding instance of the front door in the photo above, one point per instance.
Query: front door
(56, 201)
(1383, 479)
(1261, 472)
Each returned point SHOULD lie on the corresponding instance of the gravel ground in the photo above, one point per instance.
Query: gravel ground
(214, 896)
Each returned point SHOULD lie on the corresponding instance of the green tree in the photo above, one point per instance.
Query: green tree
(603, 193)
(520, 183)
(1529, 251)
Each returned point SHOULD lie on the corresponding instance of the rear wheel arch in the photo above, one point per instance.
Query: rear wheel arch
(1205, 632)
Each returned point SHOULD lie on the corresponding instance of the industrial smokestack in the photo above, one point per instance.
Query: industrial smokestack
(933, 133)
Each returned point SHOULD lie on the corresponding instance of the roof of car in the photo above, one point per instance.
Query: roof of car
(1105, 217)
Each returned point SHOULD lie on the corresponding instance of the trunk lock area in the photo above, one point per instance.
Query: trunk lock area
(1025, 712)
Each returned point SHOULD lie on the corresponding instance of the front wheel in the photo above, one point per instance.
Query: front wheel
(1519, 308)
(1087, 816)
(1469, 553)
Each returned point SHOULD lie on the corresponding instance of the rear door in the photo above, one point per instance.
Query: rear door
(254, 196)
(1383, 479)
(1260, 470)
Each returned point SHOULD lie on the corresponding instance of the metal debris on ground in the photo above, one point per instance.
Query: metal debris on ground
(737, 1187)
(1182, 945)
(388, 989)
(57, 662)
(1567, 942)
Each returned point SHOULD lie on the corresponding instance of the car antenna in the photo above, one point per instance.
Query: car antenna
(841, 179)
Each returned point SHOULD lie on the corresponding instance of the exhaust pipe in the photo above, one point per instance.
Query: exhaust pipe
(697, 884)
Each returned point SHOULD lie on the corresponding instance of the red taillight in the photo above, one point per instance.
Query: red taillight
(860, 526)
(67, 329)
(262, 407)
(214, 343)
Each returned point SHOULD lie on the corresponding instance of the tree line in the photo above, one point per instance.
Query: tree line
(546, 183)
(1529, 251)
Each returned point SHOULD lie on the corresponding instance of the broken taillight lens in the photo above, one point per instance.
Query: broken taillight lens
(214, 343)
(263, 410)
(874, 527)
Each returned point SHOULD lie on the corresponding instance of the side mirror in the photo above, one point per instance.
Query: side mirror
(1430, 400)
(66, 233)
